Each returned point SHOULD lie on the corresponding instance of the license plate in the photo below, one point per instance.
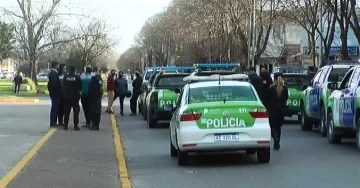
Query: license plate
(228, 137)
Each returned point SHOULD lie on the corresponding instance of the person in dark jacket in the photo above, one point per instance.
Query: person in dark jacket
(54, 88)
(17, 82)
(256, 81)
(266, 83)
(136, 92)
(95, 93)
(277, 97)
(61, 109)
(72, 88)
(85, 101)
(121, 87)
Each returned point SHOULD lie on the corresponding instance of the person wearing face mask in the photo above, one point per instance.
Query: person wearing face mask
(110, 86)
(266, 83)
(121, 87)
(85, 102)
(95, 93)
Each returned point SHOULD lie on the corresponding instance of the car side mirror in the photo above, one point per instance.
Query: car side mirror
(177, 90)
(168, 107)
(332, 85)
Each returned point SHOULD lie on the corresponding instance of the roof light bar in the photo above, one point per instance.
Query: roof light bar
(215, 65)
(216, 77)
(342, 62)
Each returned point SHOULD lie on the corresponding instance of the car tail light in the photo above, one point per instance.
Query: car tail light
(258, 113)
(154, 97)
(190, 116)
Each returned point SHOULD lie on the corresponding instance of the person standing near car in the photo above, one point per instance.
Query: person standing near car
(72, 88)
(95, 93)
(85, 101)
(277, 97)
(266, 83)
(136, 92)
(121, 87)
(61, 108)
(17, 82)
(110, 86)
(54, 88)
(256, 81)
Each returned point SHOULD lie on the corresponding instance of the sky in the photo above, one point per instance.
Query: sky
(124, 17)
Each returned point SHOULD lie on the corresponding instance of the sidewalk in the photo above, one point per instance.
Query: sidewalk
(73, 159)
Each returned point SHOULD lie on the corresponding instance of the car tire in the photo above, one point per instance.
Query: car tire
(139, 107)
(183, 158)
(173, 150)
(358, 134)
(306, 123)
(151, 122)
(332, 137)
(263, 155)
(250, 151)
(323, 128)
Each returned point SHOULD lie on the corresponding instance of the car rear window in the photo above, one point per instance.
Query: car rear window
(148, 74)
(171, 81)
(221, 93)
(295, 81)
(337, 74)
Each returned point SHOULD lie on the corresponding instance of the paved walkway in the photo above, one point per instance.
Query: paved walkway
(73, 159)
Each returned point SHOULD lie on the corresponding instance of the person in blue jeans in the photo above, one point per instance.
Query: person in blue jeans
(54, 88)
(121, 87)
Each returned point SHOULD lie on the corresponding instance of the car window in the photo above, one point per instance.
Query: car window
(354, 79)
(148, 74)
(317, 76)
(337, 74)
(221, 93)
(295, 81)
(171, 81)
(346, 81)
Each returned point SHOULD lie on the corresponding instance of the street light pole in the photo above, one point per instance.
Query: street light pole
(321, 32)
(254, 34)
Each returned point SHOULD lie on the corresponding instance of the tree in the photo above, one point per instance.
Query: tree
(6, 39)
(32, 31)
(94, 42)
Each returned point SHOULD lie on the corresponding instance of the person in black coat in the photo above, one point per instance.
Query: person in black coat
(266, 83)
(72, 89)
(277, 97)
(61, 108)
(136, 92)
(256, 81)
(17, 82)
(54, 88)
(95, 94)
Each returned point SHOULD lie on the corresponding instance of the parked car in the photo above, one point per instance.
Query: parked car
(42, 77)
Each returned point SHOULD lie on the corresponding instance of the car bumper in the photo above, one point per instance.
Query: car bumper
(161, 115)
(191, 138)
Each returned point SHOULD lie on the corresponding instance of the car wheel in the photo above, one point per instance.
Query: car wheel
(151, 122)
(332, 137)
(323, 129)
(183, 158)
(306, 124)
(139, 107)
(173, 150)
(263, 155)
(250, 151)
(144, 113)
(358, 133)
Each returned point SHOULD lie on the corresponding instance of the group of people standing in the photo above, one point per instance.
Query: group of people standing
(65, 91)
(117, 87)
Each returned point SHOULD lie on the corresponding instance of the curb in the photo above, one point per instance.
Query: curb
(18, 100)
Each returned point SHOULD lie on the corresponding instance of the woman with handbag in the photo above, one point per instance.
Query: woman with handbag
(277, 97)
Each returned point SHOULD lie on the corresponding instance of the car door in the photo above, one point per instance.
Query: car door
(174, 122)
(348, 97)
(314, 92)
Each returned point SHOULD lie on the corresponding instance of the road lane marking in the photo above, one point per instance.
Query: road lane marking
(119, 153)
(14, 171)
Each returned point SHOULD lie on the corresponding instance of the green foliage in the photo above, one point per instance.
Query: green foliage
(30, 82)
(6, 39)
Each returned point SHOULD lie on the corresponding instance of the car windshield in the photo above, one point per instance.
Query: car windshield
(148, 74)
(171, 81)
(219, 93)
(337, 74)
(295, 81)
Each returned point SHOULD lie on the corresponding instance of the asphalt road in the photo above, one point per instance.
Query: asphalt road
(305, 160)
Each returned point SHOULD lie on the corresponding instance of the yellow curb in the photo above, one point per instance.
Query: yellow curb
(18, 100)
(13, 172)
(119, 153)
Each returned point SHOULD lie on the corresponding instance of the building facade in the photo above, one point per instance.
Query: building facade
(8, 65)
